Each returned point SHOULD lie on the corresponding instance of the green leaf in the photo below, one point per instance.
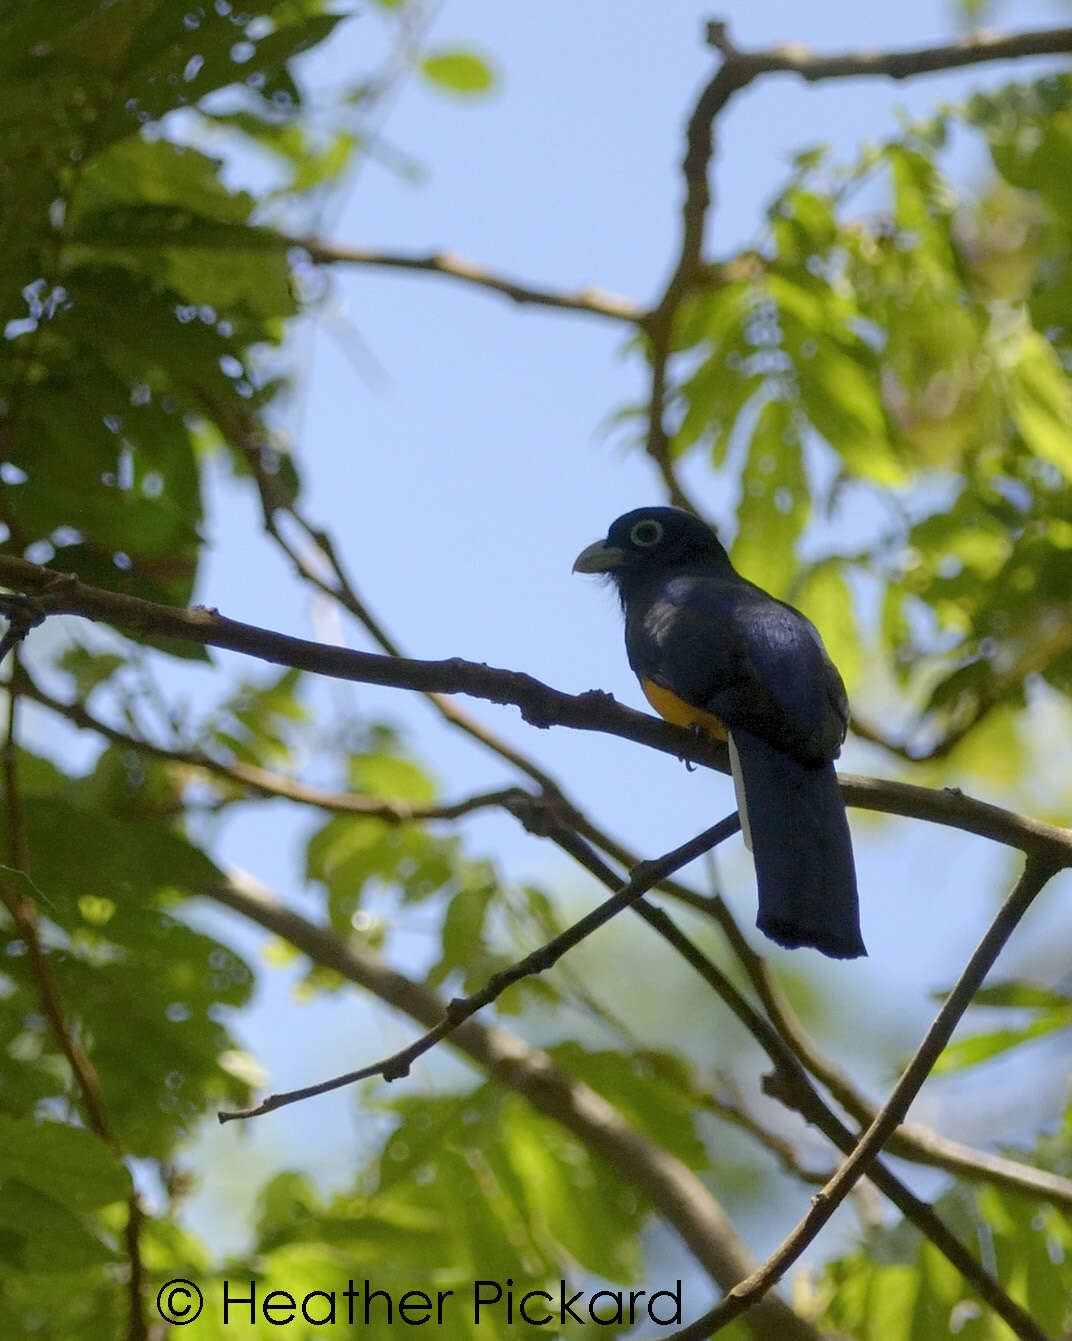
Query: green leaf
(44, 1235)
(256, 723)
(457, 71)
(1039, 394)
(391, 776)
(1015, 993)
(655, 1092)
(1029, 131)
(803, 225)
(570, 1196)
(107, 876)
(994, 749)
(715, 395)
(89, 669)
(68, 1164)
(462, 936)
(967, 1052)
(840, 397)
(824, 596)
(775, 500)
(350, 851)
(149, 173)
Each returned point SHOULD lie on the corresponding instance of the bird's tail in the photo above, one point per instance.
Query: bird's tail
(793, 818)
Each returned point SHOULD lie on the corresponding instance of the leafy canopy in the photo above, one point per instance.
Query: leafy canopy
(917, 357)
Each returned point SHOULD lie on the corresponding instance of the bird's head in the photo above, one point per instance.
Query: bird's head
(648, 539)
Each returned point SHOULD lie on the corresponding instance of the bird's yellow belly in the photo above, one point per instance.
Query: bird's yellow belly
(667, 704)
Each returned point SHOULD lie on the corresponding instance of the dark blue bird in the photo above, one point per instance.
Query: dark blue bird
(713, 650)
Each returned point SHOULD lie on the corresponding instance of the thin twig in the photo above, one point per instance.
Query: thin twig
(973, 49)
(593, 301)
(731, 1108)
(912, 1140)
(461, 1008)
(343, 590)
(264, 782)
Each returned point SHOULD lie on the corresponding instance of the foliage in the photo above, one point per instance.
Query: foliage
(900, 1288)
(918, 356)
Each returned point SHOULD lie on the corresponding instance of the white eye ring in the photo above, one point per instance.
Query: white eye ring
(646, 533)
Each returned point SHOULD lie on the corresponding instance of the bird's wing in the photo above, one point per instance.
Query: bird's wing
(722, 644)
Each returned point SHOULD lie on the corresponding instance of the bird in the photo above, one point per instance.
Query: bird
(716, 653)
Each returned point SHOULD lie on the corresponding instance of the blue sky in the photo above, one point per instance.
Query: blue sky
(465, 474)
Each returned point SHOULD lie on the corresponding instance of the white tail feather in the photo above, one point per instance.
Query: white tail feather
(738, 790)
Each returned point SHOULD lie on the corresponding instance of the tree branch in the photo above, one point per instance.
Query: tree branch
(58, 594)
(1036, 874)
(539, 814)
(973, 49)
(733, 1111)
(596, 302)
(344, 592)
(540, 705)
(699, 147)
(461, 1009)
(675, 1191)
(266, 783)
(552, 807)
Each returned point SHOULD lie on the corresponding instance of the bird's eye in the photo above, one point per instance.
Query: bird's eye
(646, 533)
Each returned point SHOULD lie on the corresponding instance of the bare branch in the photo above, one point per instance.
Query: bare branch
(688, 269)
(345, 593)
(266, 783)
(539, 961)
(596, 302)
(657, 442)
(973, 49)
(860, 1161)
(732, 1110)
(951, 807)
(912, 1140)
(540, 704)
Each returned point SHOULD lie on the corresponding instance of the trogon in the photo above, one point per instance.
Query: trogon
(714, 651)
